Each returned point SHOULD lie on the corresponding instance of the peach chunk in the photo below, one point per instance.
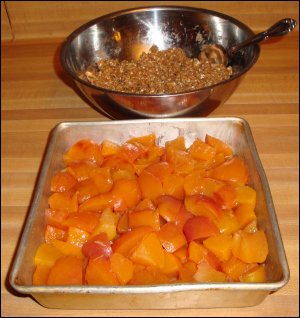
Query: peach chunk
(62, 181)
(86, 221)
(98, 245)
(171, 237)
(150, 185)
(99, 272)
(255, 275)
(144, 218)
(220, 245)
(199, 204)
(66, 271)
(149, 252)
(122, 266)
(168, 207)
(40, 275)
(126, 194)
(125, 242)
(233, 170)
(201, 150)
(84, 150)
(250, 247)
(206, 273)
(54, 233)
(63, 201)
(219, 145)
(199, 227)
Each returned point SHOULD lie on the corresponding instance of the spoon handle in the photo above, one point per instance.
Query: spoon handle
(282, 27)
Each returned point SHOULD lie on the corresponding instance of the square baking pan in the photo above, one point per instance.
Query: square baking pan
(233, 131)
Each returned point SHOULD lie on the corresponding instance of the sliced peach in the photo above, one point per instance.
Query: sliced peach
(187, 272)
(233, 170)
(115, 162)
(109, 148)
(168, 207)
(63, 201)
(251, 247)
(234, 268)
(244, 214)
(226, 197)
(86, 190)
(255, 275)
(54, 233)
(146, 204)
(144, 218)
(98, 245)
(171, 265)
(125, 242)
(67, 248)
(147, 141)
(220, 245)
(81, 170)
(66, 271)
(102, 179)
(107, 224)
(206, 273)
(171, 237)
(130, 151)
(47, 255)
(122, 266)
(173, 185)
(97, 203)
(62, 181)
(40, 275)
(182, 216)
(181, 161)
(123, 223)
(77, 236)
(246, 195)
(126, 194)
(150, 185)
(199, 227)
(86, 221)
(56, 217)
(84, 150)
(251, 227)
(182, 254)
(177, 143)
(149, 275)
(219, 145)
(200, 150)
(99, 272)
(160, 170)
(197, 183)
(228, 223)
(202, 205)
(149, 252)
(122, 174)
(196, 252)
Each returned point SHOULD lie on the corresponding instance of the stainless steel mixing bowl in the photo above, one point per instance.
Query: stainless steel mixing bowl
(126, 34)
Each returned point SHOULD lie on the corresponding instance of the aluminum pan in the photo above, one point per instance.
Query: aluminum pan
(232, 130)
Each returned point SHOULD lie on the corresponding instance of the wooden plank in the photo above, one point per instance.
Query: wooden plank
(47, 19)
(6, 31)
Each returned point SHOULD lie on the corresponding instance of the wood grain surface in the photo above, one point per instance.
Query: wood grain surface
(47, 19)
(36, 95)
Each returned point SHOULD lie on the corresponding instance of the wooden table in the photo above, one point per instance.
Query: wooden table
(36, 95)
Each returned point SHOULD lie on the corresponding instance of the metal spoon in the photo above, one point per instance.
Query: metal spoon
(217, 54)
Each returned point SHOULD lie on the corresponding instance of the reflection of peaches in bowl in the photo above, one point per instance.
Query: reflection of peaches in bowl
(127, 34)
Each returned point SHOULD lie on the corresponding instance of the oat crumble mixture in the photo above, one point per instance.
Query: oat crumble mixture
(157, 72)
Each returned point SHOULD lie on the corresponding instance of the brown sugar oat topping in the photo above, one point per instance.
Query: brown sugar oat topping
(157, 72)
